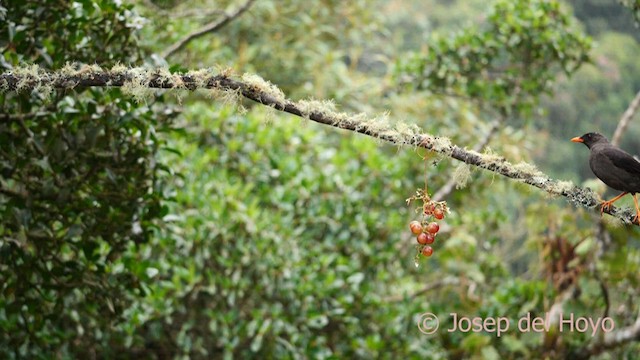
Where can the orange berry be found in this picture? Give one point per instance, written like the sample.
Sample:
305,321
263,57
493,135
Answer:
423,238
433,227
427,251
430,238
416,227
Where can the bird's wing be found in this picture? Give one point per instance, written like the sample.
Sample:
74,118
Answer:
622,159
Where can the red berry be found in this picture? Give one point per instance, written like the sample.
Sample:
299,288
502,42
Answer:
423,238
428,208
427,251
433,227
438,214
416,227
430,238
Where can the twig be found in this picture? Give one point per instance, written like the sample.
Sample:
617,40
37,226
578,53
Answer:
605,296
260,91
625,119
211,27
12,117
13,193
447,188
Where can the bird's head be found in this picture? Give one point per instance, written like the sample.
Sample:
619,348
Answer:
590,139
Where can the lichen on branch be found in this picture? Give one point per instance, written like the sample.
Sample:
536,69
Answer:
223,84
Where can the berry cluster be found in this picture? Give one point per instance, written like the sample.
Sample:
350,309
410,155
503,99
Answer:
427,229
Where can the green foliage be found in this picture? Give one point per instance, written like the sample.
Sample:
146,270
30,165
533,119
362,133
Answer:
507,63
269,255
79,183
53,32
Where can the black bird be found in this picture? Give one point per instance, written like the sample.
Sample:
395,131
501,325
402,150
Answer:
614,166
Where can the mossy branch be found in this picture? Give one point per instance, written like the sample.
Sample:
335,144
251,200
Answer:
138,81
448,187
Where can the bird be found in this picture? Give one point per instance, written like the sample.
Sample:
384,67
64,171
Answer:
614,166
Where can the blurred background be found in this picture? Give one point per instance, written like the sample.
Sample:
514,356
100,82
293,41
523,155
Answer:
183,226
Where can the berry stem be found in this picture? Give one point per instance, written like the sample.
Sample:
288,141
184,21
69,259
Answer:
426,169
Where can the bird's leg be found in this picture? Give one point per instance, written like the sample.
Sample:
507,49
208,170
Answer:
635,201
606,205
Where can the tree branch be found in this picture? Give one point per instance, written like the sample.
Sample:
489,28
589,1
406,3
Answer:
211,27
136,80
611,340
625,119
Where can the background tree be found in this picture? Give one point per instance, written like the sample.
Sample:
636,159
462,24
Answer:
79,181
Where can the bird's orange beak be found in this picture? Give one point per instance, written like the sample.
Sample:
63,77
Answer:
577,139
